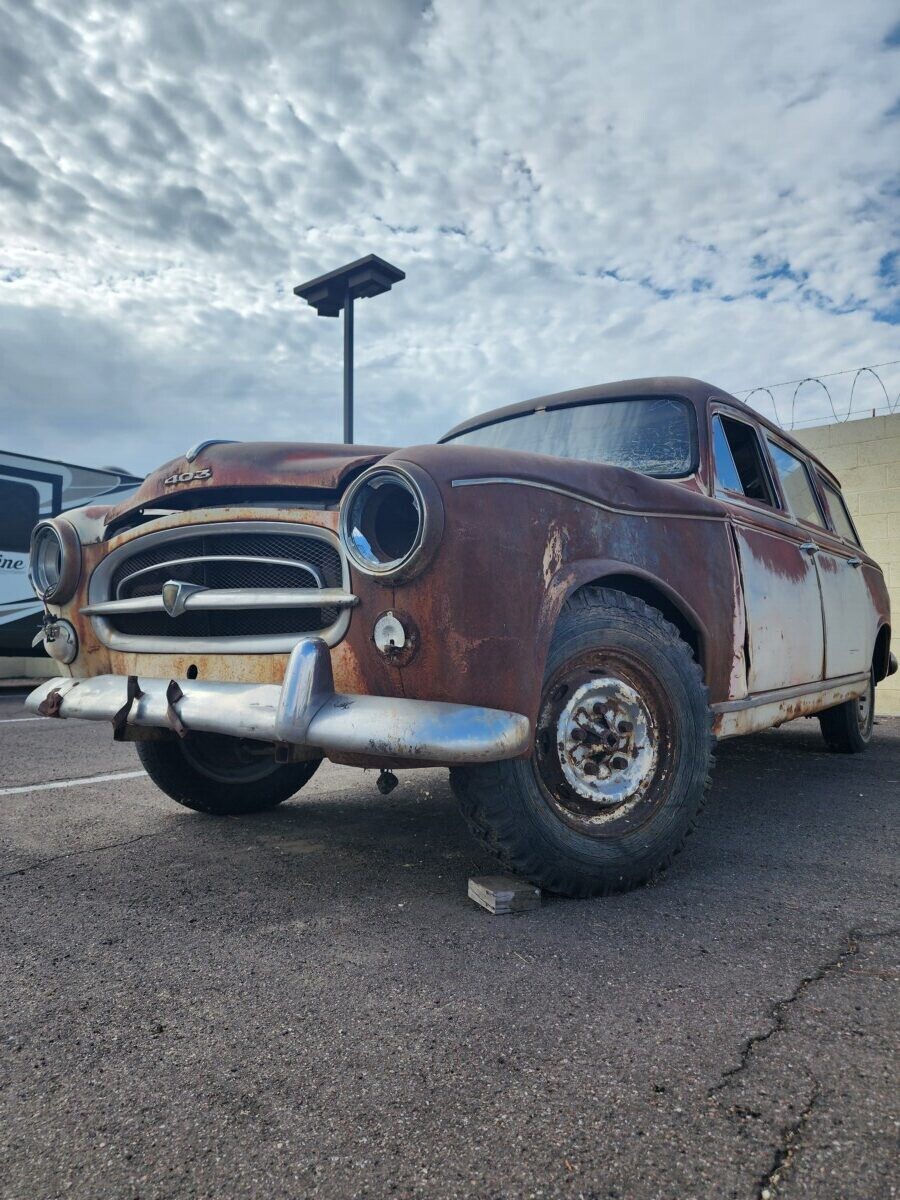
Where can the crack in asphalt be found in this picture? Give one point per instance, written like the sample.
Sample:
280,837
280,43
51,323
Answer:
44,862
790,1135
849,948
788,1146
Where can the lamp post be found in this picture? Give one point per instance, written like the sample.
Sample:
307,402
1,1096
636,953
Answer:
329,294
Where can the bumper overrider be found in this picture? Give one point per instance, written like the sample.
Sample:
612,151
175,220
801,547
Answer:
303,712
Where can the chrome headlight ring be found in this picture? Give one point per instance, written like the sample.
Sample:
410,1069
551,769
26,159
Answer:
55,560
392,521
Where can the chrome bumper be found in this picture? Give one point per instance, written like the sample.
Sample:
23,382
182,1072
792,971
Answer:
303,711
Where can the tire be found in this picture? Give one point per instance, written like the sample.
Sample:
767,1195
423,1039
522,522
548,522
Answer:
553,818
223,776
847,728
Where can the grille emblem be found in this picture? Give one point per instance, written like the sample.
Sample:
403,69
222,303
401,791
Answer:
175,595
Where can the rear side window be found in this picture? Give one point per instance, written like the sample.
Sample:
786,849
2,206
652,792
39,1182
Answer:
797,485
739,460
837,510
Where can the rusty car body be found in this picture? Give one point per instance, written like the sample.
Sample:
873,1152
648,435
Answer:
231,597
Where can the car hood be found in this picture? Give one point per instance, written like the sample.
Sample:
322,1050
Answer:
249,469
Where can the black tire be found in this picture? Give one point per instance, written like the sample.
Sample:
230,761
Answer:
527,813
847,728
223,776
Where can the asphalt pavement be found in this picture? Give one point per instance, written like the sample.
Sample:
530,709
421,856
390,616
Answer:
305,1003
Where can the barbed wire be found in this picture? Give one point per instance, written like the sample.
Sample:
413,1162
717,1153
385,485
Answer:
889,406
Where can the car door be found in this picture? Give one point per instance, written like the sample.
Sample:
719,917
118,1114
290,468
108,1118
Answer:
785,640
851,616
845,603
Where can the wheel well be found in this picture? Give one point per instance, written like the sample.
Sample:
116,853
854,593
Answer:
643,589
881,657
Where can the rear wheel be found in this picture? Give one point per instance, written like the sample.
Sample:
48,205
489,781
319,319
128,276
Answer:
621,761
224,776
847,728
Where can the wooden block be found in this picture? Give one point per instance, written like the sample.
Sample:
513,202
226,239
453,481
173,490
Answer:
504,894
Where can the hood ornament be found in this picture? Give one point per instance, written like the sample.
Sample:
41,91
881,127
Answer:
176,594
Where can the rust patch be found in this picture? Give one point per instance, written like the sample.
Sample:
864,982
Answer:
51,704
778,555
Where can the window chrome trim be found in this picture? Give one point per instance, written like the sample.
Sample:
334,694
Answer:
282,643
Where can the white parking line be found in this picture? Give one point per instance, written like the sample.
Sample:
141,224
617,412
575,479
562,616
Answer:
16,720
64,783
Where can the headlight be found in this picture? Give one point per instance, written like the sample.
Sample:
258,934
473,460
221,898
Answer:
55,560
392,519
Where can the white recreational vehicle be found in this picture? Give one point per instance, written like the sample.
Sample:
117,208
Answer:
31,489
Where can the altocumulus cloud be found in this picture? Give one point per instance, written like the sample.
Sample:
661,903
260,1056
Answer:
578,191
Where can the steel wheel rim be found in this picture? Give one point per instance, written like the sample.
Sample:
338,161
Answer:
626,691
606,741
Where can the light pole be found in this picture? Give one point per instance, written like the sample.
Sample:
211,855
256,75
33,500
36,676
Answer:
328,294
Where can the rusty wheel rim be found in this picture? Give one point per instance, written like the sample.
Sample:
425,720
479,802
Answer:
600,744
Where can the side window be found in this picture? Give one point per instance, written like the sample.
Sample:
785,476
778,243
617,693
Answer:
738,460
797,486
837,510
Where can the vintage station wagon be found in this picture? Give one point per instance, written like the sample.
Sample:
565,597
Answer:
566,601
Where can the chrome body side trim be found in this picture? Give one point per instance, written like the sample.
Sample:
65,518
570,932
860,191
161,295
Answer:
305,711
98,593
561,491
765,710
790,693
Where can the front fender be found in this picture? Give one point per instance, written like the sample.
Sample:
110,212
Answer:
511,555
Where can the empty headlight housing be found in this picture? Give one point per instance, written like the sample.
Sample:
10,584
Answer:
55,560
392,519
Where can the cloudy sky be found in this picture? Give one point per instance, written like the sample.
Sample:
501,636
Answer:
578,191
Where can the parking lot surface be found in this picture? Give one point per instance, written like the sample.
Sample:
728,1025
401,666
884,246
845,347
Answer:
305,1003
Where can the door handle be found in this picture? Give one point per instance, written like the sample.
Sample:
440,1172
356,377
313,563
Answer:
809,547
854,562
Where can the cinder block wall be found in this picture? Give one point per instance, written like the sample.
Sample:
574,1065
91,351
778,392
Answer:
865,456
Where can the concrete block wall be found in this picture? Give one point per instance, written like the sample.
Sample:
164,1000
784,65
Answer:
865,456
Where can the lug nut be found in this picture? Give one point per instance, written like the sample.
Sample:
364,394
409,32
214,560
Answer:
619,763
590,768
625,727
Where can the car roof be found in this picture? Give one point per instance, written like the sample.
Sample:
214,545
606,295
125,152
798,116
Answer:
696,391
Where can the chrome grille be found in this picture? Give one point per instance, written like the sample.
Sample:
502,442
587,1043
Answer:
258,585
293,548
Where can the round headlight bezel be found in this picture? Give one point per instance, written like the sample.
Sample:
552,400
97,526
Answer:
426,500
55,560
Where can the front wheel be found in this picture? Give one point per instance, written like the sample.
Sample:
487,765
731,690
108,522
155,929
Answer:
847,728
220,775
621,761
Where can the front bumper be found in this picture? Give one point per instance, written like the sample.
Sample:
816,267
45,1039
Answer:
304,711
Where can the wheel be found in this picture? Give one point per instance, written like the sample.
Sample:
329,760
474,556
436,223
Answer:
847,728
225,776
621,761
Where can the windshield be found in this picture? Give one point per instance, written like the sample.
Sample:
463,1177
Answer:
652,435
